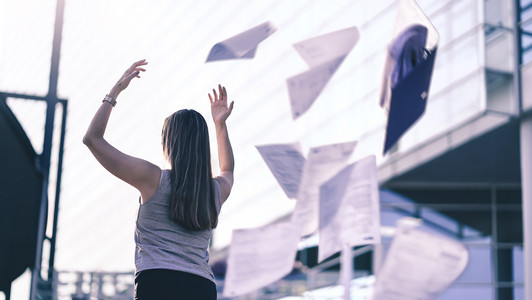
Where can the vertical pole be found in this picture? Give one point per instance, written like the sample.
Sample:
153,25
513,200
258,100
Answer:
346,268
526,185
494,244
36,278
526,150
377,259
51,101
56,51
57,192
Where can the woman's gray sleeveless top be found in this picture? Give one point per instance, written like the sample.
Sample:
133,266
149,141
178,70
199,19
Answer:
163,244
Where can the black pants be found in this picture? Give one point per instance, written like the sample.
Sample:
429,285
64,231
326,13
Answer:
161,284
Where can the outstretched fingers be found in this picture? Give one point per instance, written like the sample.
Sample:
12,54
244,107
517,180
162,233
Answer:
136,67
141,62
220,95
215,95
138,70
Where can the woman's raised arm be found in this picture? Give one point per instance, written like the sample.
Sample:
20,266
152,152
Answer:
220,112
139,173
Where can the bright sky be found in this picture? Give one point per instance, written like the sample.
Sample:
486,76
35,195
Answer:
101,38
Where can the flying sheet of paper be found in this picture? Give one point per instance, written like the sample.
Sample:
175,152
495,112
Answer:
286,163
322,163
260,256
407,70
243,45
349,208
419,265
324,54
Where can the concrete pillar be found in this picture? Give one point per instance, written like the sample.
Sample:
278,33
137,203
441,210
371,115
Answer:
346,269
526,183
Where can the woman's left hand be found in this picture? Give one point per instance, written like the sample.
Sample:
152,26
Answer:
126,78
219,109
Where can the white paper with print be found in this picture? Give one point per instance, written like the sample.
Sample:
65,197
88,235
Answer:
243,45
419,265
286,163
260,256
349,208
324,54
322,163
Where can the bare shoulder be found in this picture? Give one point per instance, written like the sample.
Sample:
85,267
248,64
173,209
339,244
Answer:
225,179
150,182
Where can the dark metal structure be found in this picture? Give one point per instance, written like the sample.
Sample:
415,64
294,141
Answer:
20,190
24,198
24,182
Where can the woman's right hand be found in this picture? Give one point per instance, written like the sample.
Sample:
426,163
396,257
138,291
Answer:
219,109
126,78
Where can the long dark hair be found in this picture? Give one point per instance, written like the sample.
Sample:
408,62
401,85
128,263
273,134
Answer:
185,139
